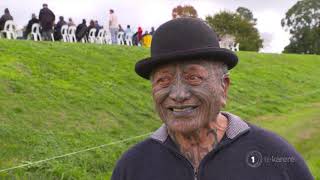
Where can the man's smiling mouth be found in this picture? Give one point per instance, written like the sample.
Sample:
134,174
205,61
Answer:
182,110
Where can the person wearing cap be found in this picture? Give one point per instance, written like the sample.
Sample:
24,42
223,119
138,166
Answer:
46,18
197,141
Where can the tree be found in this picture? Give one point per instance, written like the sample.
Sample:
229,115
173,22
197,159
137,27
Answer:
246,14
302,21
229,23
184,11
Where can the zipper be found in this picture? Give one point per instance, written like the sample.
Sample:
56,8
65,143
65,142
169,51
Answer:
195,171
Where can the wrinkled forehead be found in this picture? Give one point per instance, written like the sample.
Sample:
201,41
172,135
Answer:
183,66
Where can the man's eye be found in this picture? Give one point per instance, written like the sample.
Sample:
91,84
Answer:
163,81
194,79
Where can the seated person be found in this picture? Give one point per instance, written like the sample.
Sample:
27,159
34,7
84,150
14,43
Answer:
81,30
7,16
57,28
32,21
146,40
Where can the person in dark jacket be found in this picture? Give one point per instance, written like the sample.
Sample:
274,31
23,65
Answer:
97,26
189,76
135,41
5,17
32,21
46,18
81,30
152,31
91,26
57,28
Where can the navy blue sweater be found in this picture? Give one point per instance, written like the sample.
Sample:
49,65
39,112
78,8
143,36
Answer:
251,153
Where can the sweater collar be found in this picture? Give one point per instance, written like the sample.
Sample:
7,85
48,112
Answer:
236,126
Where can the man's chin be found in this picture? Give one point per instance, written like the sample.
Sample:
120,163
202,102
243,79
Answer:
182,127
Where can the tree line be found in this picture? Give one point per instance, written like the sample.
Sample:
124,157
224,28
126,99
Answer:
302,21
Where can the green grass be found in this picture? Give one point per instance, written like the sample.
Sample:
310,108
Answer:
301,128
58,98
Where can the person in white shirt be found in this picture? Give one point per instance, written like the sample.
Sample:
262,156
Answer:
113,26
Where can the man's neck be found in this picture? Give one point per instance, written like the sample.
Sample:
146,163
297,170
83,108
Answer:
194,146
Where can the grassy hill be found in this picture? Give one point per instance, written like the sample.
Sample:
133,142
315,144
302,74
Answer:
59,98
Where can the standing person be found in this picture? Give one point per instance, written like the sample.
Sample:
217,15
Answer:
32,21
5,17
81,30
188,72
57,29
113,26
46,18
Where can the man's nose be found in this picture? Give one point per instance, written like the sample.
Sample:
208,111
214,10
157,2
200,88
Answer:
179,92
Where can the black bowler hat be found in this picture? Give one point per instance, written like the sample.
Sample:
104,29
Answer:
183,39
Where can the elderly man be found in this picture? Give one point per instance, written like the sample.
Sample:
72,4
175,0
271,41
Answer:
189,75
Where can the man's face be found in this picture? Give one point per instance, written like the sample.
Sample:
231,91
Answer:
189,95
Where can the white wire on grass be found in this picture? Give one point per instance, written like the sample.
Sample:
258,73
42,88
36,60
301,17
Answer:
121,141
76,152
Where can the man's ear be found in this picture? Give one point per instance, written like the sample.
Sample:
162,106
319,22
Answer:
225,86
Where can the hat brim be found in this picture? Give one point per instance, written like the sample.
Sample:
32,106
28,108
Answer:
145,66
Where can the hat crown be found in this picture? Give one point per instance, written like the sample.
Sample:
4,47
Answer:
183,34
184,39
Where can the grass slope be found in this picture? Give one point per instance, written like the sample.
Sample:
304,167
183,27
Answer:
57,98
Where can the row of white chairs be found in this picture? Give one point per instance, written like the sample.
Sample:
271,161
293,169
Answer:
69,35
231,46
10,31
104,37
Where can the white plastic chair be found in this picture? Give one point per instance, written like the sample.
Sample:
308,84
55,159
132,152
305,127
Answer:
64,33
9,30
92,35
101,36
35,32
72,34
120,37
128,39
84,39
107,37
236,47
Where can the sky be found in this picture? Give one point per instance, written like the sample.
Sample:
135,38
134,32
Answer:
148,13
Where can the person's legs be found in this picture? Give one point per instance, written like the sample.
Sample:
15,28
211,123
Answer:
25,34
113,32
50,34
46,35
